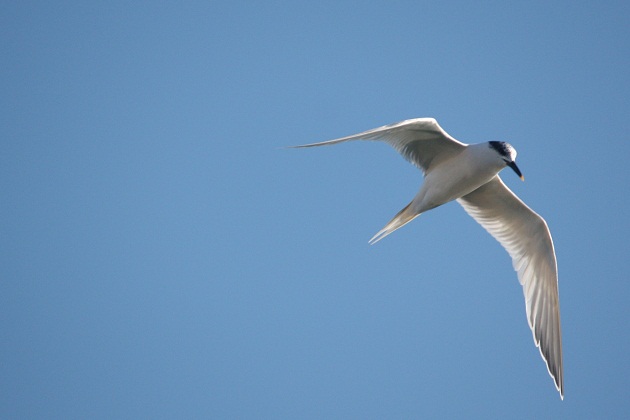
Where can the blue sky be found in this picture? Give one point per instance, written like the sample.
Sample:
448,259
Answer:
162,255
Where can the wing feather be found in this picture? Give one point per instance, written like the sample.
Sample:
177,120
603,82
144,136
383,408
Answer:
421,141
526,237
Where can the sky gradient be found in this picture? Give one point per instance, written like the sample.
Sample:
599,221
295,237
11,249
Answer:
162,255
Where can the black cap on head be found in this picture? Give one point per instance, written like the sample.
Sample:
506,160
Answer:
508,154
502,148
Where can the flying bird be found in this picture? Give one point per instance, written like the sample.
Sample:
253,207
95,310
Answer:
469,173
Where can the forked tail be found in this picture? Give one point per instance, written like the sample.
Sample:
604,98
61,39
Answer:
403,217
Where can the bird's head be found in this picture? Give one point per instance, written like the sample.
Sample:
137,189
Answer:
507,153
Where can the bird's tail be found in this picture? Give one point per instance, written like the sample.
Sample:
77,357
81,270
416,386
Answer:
403,217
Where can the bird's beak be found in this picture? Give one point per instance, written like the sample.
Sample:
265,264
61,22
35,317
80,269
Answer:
515,168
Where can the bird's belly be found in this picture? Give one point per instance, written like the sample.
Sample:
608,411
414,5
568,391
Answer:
449,183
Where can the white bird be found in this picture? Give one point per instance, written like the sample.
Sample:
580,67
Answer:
468,173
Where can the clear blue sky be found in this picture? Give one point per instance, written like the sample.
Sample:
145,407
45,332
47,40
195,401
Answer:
162,256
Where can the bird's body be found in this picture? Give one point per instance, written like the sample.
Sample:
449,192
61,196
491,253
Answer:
463,173
469,174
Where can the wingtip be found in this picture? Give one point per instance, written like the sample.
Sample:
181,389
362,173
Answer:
557,373
380,235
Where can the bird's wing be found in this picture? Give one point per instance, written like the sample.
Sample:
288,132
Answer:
525,236
421,141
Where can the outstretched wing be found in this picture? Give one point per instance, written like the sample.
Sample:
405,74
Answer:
525,236
421,141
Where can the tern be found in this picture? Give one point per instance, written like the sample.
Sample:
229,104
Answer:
469,174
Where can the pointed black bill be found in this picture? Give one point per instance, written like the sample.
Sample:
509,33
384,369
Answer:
515,168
